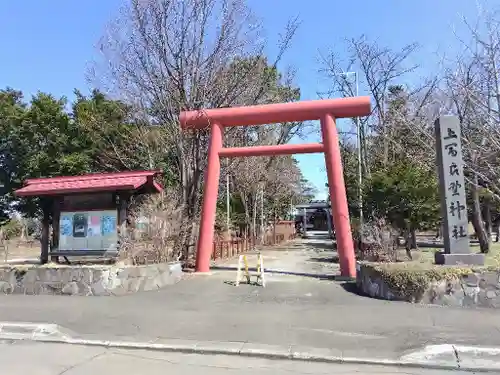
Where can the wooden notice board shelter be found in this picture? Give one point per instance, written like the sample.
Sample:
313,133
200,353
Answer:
86,212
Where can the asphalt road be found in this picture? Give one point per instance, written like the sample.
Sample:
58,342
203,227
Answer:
292,311
289,311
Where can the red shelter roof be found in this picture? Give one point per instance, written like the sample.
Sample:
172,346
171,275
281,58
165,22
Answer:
90,183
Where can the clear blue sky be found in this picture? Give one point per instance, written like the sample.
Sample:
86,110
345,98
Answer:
46,45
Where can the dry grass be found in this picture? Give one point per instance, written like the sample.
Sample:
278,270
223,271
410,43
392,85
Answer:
425,256
158,233
17,248
423,260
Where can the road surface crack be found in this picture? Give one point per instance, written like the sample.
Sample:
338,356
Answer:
455,351
82,362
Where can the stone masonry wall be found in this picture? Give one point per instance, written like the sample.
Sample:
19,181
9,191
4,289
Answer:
479,288
87,280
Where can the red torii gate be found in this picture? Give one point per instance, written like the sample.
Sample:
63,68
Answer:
324,110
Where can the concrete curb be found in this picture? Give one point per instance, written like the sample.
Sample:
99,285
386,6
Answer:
440,357
475,358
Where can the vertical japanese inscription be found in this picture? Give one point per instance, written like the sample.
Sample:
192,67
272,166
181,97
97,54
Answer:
452,185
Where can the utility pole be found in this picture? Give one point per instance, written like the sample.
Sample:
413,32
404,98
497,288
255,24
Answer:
358,144
262,230
360,162
228,198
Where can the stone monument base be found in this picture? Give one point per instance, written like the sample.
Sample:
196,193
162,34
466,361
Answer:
473,259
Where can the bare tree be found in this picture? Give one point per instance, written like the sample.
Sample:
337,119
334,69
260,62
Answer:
164,56
473,87
400,125
471,90
274,177
378,68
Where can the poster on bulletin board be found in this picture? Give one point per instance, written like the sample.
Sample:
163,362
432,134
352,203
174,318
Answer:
88,230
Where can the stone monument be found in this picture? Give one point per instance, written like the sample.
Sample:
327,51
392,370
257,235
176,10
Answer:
452,193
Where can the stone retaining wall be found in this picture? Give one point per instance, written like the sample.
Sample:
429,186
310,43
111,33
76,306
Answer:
87,280
479,288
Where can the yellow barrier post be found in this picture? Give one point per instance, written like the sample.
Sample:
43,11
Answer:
243,264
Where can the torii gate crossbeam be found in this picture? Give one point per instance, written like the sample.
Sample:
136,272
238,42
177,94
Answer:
324,110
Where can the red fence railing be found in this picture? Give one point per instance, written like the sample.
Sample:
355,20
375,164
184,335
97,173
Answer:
230,248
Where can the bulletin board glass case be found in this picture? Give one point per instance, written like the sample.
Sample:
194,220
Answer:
88,230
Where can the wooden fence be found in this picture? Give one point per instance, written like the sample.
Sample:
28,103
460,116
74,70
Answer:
231,248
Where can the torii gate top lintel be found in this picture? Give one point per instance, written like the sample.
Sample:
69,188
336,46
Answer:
275,113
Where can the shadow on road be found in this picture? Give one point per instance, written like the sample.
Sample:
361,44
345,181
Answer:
351,287
323,245
327,259
271,271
